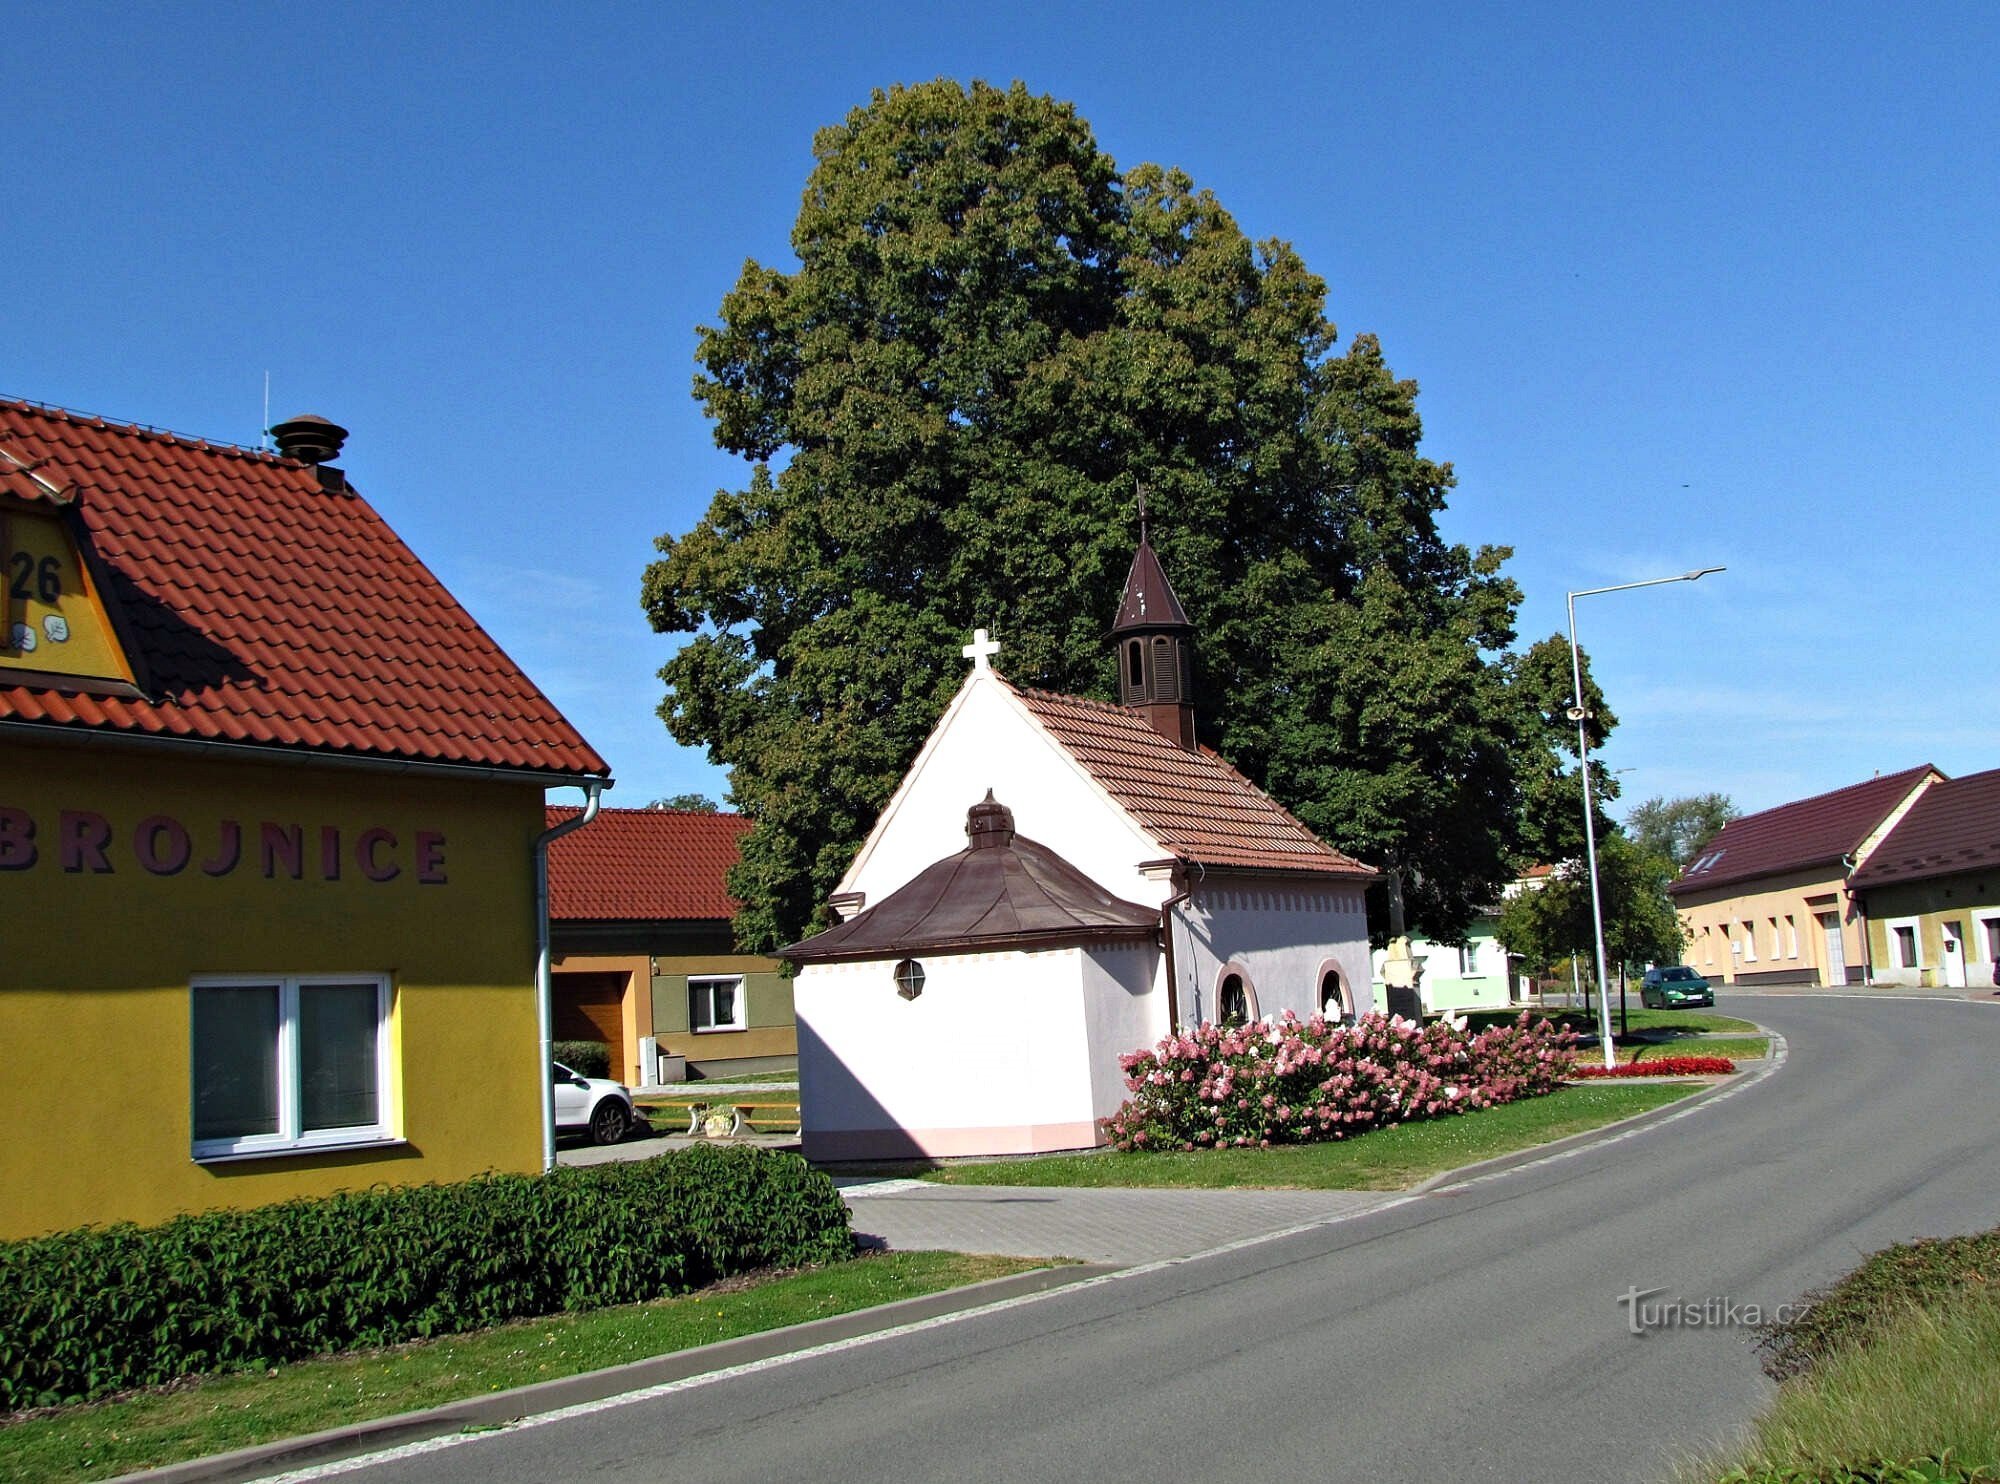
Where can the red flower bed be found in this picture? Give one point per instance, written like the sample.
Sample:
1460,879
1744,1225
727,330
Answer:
1665,1066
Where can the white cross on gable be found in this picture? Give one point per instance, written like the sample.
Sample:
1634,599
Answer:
980,650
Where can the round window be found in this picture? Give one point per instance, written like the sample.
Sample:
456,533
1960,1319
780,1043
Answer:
909,979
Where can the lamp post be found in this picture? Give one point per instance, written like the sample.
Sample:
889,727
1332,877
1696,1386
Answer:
1580,714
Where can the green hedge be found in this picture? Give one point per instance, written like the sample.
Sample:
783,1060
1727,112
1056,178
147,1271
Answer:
88,1312
585,1058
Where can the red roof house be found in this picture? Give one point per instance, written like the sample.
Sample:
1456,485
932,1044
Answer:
1767,901
269,799
1931,889
646,961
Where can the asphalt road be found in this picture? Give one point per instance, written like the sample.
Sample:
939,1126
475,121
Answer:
1475,1333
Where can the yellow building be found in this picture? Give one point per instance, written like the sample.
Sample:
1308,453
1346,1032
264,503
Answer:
269,801
1766,900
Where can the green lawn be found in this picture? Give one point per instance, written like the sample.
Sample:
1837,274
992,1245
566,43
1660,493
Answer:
1736,1048
216,1414
1637,1018
1386,1159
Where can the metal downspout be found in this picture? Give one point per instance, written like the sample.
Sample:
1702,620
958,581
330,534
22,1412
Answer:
593,789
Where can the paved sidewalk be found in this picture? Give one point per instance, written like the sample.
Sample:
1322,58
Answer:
1108,1226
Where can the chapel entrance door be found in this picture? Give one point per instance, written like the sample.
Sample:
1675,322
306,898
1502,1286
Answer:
1836,950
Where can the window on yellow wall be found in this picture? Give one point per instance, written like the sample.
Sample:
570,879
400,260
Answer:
1749,942
288,1064
1791,936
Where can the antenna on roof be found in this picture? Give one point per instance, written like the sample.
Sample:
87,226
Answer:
264,437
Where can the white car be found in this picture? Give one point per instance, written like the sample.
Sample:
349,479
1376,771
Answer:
596,1106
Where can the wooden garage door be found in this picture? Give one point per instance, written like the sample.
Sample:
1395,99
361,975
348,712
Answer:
591,1007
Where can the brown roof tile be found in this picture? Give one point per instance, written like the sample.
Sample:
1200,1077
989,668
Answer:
644,865
261,608
1953,826
1193,803
1811,832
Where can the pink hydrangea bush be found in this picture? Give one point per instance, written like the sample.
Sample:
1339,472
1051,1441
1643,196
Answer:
1293,1081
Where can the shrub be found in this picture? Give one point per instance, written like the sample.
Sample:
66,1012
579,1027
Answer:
101,1309
1663,1066
1928,1273
1293,1081
585,1058
1939,1469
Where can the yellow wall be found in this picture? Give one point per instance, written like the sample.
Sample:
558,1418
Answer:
95,1113
1716,919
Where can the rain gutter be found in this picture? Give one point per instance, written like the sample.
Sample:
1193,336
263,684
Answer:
593,790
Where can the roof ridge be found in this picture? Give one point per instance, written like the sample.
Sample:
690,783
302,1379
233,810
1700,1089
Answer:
58,413
1844,788
642,809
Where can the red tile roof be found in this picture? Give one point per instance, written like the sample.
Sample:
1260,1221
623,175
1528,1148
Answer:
1953,826
644,865
1812,832
1193,803
262,609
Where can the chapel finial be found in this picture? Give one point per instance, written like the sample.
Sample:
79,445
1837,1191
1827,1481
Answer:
980,650
1142,514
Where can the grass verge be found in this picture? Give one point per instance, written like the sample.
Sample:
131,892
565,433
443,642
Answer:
1736,1048
1385,1159
1636,1019
220,1413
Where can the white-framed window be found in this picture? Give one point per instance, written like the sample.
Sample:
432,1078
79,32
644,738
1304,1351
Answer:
1777,944
715,1003
1905,945
284,1063
1791,936
1468,961
1749,942
1990,927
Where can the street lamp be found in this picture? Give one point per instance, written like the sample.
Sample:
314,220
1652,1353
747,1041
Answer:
1580,714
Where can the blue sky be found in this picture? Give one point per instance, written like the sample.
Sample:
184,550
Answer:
1682,285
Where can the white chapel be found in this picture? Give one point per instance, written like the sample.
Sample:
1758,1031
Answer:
1058,881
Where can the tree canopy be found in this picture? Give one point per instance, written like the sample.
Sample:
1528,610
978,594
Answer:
1677,828
1552,921
991,336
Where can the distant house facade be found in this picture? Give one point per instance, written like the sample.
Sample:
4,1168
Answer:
1930,891
269,807
1766,900
644,957
1473,975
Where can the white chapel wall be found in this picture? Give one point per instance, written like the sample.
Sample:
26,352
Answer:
1280,933
1123,1011
990,742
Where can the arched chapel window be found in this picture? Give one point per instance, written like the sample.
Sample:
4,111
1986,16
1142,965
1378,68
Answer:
1135,664
1166,674
1232,1000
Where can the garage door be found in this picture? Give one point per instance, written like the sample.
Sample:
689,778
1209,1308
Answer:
591,1007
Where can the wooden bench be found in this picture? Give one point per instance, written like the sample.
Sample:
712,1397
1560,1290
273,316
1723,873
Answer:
698,1114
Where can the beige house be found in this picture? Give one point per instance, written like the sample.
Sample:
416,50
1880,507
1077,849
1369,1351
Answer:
1766,901
1930,892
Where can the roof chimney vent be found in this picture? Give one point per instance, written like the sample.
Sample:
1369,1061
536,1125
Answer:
309,438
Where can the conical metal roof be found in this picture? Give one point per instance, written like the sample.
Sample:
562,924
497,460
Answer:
1149,598
1001,891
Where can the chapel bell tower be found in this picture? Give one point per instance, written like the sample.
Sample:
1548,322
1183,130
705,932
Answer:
1155,648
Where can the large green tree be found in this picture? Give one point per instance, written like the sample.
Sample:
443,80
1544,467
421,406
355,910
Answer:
991,336
1548,923
1677,828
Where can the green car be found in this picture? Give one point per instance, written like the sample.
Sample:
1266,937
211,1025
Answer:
1674,986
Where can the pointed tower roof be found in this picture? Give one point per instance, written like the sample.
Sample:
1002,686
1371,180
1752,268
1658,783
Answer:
1149,598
